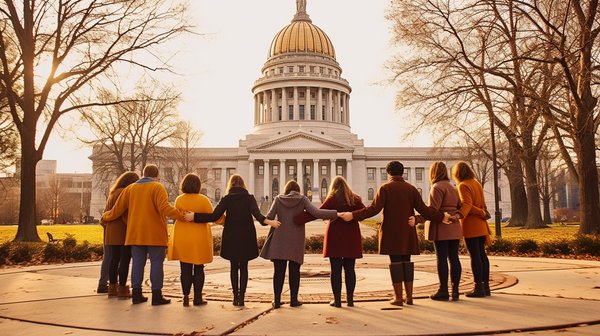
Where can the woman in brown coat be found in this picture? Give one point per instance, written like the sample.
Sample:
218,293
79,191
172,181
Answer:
443,196
397,238
114,239
473,215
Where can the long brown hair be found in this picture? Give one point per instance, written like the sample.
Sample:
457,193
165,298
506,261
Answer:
235,180
124,180
341,191
291,186
461,171
438,172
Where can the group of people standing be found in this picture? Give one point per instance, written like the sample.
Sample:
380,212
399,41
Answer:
137,208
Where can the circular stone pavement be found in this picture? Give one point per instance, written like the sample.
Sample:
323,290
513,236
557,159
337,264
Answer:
373,283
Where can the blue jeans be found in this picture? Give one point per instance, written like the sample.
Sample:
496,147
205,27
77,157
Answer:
139,253
106,256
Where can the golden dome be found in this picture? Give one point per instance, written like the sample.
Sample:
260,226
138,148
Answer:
301,36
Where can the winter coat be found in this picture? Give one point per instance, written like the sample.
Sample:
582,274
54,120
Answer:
191,243
342,239
287,242
398,199
473,210
239,234
443,196
115,230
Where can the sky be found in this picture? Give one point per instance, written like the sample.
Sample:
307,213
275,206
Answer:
219,66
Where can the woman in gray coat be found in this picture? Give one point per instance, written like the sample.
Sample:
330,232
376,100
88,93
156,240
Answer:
287,242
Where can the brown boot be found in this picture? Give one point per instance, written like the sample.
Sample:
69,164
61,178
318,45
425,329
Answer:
112,290
397,273
409,277
123,292
477,291
186,300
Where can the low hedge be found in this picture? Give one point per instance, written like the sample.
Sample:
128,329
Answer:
66,250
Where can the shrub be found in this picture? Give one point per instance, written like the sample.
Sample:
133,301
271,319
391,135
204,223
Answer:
4,252
371,244
52,252
70,241
424,244
314,244
586,244
555,247
217,245
501,245
82,251
97,249
23,252
261,242
526,246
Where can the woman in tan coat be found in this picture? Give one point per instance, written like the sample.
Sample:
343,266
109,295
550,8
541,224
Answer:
473,215
114,239
443,196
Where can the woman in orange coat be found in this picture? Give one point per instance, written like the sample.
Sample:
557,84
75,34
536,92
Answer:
473,215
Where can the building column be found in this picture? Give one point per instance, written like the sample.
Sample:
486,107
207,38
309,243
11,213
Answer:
349,172
316,183
224,181
307,104
282,174
378,176
265,107
267,178
251,176
347,109
319,107
284,105
333,172
274,106
329,105
256,108
296,108
300,175
338,107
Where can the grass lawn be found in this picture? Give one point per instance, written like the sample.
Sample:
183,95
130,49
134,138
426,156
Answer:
555,232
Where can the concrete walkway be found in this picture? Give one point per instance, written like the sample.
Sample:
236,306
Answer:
532,296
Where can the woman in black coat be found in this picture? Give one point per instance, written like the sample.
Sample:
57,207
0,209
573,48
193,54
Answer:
239,234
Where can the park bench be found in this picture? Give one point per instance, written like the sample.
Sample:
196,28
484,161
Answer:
51,239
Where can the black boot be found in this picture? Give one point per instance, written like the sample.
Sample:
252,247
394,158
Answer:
137,297
350,299
236,298
337,300
441,295
198,301
477,291
241,299
102,289
455,292
486,288
158,298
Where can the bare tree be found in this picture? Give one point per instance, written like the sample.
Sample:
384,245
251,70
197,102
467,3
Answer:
551,173
81,45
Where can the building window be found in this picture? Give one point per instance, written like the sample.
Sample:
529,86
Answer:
329,71
301,94
321,69
280,116
204,192
274,189
419,174
370,194
291,94
406,173
291,112
280,70
290,69
230,171
301,112
203,174
312,69
323,189
340,170
275,170
261,170
291,170
301,68
323,112
312,112
324,170
370,174
342,116
383,174
217,194
280,95
312,95
217,174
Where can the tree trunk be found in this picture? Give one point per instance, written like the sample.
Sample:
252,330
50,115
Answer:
588,182
534,214
547,215
27,231
518,196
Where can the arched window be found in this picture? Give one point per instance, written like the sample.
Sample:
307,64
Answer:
370,194
323,190
274,189
217,194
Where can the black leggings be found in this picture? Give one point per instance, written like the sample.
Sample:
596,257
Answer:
279,278
191,273
447,250
400,258
480,265
240,267
336,275
119,263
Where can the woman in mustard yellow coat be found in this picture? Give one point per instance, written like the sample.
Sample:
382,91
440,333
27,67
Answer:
191,243
473,217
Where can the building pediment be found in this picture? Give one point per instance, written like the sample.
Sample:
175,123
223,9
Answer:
300,142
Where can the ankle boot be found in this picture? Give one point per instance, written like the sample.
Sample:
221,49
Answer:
350,299
337,300
137,297
455,292
112,290
397,274
486,288
409,277
186,300
236,298
123,292
477,291
158,298
241,298
102,289
198,301
440,295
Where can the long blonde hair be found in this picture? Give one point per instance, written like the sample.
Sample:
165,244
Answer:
341,191
235,180
461,171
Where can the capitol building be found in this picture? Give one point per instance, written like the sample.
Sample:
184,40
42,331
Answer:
302,112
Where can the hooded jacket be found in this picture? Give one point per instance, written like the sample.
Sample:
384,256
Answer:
239,234
287,242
